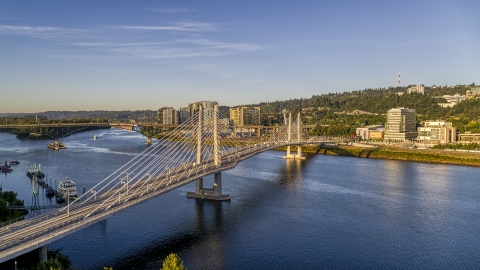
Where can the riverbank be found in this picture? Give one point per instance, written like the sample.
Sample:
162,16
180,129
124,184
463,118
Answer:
419,155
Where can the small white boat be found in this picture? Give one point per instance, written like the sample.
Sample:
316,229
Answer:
68,189
95,137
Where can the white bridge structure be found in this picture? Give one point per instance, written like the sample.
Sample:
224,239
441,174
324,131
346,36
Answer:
202,146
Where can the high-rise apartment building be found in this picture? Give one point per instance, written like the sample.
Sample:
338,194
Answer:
207,106
169,116
401,125
183,115
244,116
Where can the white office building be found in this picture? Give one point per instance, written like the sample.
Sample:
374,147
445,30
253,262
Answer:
401,125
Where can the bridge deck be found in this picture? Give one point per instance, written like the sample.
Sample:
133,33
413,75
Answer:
24,236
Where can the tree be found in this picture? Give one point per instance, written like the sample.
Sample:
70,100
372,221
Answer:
51,264
57,261
173,262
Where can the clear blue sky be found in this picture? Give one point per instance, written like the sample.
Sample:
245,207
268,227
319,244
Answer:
134,55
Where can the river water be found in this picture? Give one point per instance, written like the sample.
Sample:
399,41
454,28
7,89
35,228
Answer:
324,212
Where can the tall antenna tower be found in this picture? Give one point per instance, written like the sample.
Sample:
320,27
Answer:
399,84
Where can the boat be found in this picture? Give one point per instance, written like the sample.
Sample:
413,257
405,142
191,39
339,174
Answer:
68,189
5,167
95,137
5,170
35,171
14,162
56,145
50,192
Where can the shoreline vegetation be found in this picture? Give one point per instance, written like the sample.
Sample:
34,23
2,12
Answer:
418,155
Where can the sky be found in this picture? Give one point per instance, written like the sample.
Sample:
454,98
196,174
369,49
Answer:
139,55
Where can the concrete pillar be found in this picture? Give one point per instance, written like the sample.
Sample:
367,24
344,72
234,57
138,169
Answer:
42,253
289,127
217,184
298,128
199,135
299,133
214,193
216,142
198,185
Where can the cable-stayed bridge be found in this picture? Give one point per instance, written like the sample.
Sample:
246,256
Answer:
201,146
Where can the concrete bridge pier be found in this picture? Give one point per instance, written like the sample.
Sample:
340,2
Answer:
42,253
214,193
294,156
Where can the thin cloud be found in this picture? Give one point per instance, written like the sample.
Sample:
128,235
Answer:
169,10
129,46
46,32
183,48
210,44
110,44
19,29
182,27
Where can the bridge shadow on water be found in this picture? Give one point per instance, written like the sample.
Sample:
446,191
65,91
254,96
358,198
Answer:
152,254
202,245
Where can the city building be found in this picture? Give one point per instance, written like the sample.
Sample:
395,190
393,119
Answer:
437,132
474,92
183,114
401,125
160,114
169,116
416,89
245,116
377,134
193,108
452,100
207,106
370,132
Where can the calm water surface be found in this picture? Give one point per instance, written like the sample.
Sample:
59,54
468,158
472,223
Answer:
322,213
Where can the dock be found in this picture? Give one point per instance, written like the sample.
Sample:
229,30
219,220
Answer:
44,184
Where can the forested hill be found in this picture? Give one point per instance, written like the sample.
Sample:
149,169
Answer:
372,101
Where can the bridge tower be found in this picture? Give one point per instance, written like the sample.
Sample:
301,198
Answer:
299,138
35,208
214,193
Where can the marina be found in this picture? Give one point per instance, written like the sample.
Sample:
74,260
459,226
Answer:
66,188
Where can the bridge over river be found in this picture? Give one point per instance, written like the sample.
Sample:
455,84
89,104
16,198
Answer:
190,152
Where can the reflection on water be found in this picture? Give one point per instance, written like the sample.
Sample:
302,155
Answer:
323,213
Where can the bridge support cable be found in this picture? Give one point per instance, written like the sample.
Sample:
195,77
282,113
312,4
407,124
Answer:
203,142
167,164
216,192
168,158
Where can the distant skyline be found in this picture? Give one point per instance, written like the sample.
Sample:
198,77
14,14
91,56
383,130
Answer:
137,55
